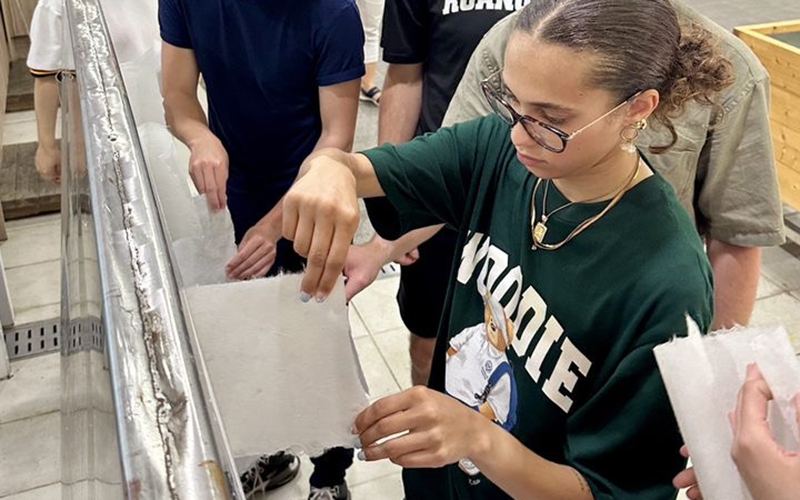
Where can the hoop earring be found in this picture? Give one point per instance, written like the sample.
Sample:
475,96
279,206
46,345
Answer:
629,135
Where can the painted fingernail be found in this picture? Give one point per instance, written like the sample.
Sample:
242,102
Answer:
304,297
357,443
362,456
320,299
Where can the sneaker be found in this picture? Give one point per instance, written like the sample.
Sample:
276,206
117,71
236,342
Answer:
339,492
372,95
269,472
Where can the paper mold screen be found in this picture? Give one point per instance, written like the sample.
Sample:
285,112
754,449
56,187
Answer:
285,374
703,375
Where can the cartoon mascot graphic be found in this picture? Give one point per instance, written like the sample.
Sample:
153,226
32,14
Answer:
478,372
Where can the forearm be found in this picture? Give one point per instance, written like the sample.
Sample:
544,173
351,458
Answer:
356,165
46,102
401,103
737,271
523,474
411,240
185,118
331,139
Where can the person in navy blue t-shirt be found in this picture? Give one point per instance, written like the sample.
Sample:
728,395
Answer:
282,80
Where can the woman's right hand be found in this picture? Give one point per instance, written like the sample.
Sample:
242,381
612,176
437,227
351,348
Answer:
320,215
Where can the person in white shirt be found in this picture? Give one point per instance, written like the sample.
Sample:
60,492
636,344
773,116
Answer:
133,25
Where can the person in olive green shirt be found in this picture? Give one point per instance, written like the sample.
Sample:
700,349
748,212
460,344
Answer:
564,226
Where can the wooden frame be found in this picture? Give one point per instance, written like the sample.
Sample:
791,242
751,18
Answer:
782,61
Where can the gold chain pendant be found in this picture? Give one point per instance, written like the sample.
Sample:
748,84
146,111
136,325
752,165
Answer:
539,231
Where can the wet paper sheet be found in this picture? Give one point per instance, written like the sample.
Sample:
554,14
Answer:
703,376
285,374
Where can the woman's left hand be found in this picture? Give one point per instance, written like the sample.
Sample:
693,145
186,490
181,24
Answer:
439,430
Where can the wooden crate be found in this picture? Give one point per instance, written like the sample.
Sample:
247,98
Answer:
781,57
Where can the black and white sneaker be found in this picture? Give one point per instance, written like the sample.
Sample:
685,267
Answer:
339,492
269,472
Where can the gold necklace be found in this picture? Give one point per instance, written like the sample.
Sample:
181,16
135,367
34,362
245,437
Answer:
539,229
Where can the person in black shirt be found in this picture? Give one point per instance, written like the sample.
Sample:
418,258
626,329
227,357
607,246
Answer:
427,44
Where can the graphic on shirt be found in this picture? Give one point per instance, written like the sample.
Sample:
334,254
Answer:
455,6
478,372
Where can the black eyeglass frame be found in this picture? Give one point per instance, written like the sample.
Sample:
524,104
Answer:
492,95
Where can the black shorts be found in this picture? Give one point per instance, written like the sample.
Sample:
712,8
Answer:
424,284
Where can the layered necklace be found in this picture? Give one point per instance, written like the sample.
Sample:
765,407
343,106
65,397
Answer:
539,228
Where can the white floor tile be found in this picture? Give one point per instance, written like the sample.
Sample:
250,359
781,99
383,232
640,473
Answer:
357,328
379,378
22,130
32,244
782,310
35,285
781,267
20,117
30,455
35,314
385,488
17,224
19,133
768,288
49,492
394,347
378,306
365,472
33,389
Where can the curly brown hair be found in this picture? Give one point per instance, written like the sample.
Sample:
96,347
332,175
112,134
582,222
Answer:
641,46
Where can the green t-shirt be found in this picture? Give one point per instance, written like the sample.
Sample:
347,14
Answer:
579,383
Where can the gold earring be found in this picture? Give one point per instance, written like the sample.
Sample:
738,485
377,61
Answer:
629,135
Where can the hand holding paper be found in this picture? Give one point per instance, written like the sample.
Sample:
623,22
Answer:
768,469
703,377
437,430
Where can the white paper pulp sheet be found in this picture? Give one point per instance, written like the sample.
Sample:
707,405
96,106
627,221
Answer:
285,373
202,240
703,375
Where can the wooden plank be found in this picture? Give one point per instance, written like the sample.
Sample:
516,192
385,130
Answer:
771,28
785,108
785,135
787,155
781,60
790,186
770,46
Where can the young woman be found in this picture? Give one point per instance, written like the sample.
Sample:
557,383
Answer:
564,224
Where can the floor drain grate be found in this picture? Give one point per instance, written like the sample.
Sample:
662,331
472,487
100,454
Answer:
23,341
32,339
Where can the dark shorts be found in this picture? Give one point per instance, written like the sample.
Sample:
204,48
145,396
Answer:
424,284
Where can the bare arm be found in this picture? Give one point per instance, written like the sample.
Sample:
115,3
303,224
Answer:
208,165
523,474
736,274
338,106
45,95
46,102
180,76
401,103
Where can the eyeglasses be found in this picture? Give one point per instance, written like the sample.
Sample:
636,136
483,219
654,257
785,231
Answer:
547,136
